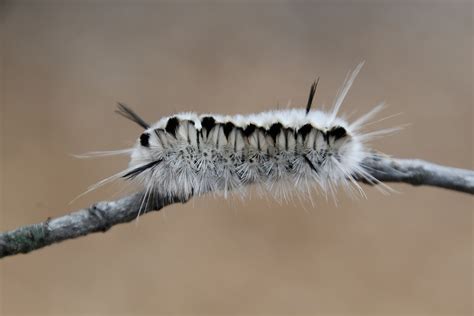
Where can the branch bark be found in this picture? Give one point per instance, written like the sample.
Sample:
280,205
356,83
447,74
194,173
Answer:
419,172
101,216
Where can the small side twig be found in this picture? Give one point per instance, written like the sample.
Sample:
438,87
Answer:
101,216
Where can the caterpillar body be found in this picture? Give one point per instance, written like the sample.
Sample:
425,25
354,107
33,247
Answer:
280,151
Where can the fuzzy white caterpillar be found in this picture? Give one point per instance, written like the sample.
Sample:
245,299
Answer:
279,151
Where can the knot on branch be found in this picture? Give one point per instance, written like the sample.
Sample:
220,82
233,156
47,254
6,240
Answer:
100,215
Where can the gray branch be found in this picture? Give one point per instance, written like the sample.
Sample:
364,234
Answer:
101,216
419,172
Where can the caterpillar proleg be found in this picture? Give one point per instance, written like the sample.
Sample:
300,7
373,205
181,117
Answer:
280,151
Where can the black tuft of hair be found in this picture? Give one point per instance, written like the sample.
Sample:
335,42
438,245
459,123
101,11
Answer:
135,172
312,92
128,113
311,165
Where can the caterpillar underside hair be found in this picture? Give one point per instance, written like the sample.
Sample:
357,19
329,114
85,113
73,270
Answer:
280,151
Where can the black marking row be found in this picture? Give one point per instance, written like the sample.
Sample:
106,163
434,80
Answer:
208,123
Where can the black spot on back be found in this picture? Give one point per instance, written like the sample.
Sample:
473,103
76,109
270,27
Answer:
249,130
144,140
338,132
171,125
208,123
274,130
304,130
228,128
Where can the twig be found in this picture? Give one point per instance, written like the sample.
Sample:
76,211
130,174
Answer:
101,216
98,217
419,172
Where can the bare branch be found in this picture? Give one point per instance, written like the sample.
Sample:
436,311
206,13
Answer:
420,172
101,216
98,217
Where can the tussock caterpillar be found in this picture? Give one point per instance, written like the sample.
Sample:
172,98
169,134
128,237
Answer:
280,151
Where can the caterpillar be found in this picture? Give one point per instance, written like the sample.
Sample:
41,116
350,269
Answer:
279,151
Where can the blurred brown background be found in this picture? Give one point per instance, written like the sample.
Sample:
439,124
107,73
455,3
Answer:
64,65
